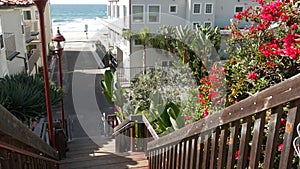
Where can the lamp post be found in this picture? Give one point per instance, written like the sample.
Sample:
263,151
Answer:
59,40
40,4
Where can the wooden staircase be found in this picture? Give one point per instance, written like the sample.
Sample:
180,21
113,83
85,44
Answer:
99,152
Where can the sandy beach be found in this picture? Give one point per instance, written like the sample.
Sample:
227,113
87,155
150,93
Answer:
80,39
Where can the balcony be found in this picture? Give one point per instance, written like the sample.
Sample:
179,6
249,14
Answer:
34,27
10,45
33,57
27,33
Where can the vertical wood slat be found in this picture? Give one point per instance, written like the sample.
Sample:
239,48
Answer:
244,143
232,144
199,152
160,158
184,154
176,154
191,158
153,159
157,158
289,135
271,144
222,148
179,150
173,156
132,138
195,149
214,146
206,149
164,154
169,155
258,133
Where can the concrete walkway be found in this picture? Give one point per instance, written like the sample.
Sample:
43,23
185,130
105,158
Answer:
84,108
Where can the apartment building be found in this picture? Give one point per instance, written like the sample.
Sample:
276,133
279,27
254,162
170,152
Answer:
20,36
134,15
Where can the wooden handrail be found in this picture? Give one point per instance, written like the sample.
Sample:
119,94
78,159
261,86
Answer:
143,119
133,134
120,126
279,94
26,153
21,136
241,135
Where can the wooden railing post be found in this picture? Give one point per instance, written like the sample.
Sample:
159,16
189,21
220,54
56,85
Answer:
132,137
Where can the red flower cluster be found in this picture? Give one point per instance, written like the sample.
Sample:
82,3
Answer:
289,46
211,88
252,76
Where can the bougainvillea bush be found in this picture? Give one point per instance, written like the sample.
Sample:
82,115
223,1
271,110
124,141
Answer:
264,53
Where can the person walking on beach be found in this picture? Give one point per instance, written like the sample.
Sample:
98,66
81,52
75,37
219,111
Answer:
86,30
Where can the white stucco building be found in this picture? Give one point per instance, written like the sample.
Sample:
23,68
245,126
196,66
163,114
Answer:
153,14
21,42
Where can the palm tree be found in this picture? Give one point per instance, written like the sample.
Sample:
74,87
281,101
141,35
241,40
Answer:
24,95
144,36
193,47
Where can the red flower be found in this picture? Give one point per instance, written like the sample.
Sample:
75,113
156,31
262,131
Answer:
280,147
252,76
282,122
205,113
237,154
294,26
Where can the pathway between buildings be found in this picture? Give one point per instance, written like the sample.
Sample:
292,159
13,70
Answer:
84,108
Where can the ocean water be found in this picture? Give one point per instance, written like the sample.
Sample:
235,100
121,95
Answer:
73,18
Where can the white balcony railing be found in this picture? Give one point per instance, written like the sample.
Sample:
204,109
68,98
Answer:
34,57
10,44
27,32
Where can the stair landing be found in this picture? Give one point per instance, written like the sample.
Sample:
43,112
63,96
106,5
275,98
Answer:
99,153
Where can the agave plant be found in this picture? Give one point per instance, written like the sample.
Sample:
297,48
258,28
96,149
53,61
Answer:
164,117
24,95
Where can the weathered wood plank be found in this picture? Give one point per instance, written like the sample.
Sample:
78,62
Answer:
271,97
258,133
206,151
271,144
12,127
289,135
214,146
244,143
222,148
199,152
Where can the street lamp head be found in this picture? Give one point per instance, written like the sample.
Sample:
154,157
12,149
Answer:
40,4
58,40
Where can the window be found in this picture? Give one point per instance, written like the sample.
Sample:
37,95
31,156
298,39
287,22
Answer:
36,13
207,24
208,8
239,9
138,13
118,11
197,8
27,15
154,12
1,41
124,10
173,9
195,25
113,11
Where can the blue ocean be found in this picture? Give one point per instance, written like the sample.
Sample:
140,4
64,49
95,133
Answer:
69,17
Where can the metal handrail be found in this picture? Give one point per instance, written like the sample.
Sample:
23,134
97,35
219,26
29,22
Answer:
119,130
